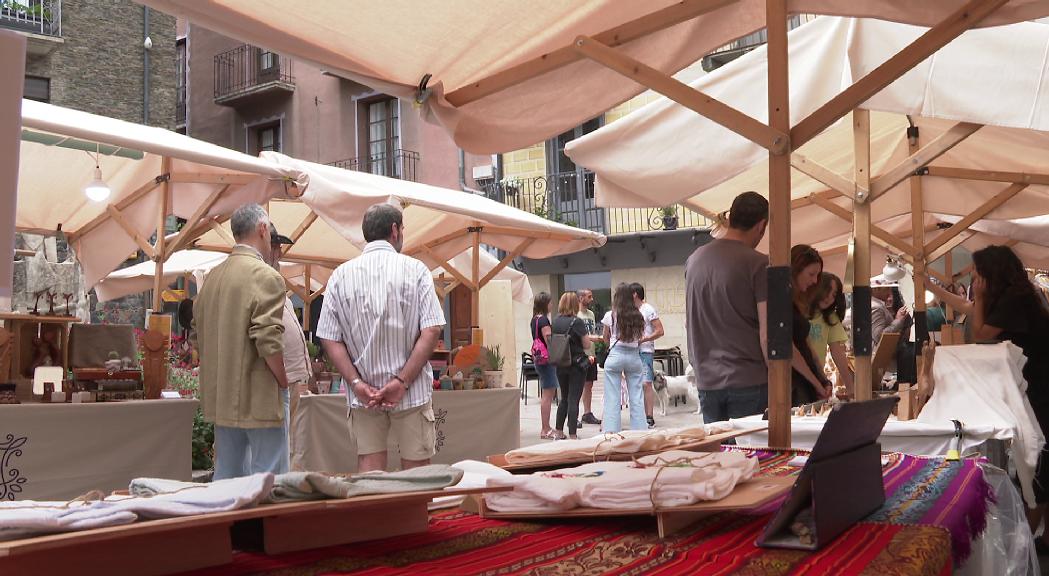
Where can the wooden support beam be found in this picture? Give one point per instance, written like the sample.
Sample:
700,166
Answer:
184,235
640,27
159,252
506,260
989,175
861,226
309,297
122,220
950,245
120,205
424,248
303,226
773,140
450,269
779,215
502,231
938,275
209,178
840,184
983,210
222,233
918,240
291,286
475,272
892,241
808,200
899,64
921,157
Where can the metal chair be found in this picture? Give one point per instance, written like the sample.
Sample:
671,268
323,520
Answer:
528,372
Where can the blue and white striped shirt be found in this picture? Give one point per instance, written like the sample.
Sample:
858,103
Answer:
377,304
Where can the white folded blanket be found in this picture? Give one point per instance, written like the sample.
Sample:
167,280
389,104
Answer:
680,478
27,518
625,442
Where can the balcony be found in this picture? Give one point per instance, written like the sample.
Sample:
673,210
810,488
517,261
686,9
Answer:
401,164
248,73
40,20
180,105
568,198
737,48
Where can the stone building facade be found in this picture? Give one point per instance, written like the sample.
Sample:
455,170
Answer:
90,55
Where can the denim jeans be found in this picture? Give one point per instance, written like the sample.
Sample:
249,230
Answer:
623,362
547,376
720,405
246,451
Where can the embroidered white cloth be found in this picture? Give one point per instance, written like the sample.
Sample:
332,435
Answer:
680,478
625,442
475,475
984,384
28,518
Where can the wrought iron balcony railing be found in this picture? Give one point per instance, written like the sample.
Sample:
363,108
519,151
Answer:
401,164
249,69
568,198
35,16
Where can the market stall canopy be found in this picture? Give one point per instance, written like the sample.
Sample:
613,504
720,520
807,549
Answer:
503,74
142,165
665,153
439,223
197,263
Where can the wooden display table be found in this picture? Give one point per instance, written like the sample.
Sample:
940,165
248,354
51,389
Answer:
24,328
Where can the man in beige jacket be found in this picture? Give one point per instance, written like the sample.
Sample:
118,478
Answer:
238,321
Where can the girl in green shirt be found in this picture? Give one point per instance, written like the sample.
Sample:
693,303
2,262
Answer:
825,328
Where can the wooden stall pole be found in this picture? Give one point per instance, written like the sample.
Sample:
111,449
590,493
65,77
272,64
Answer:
159,252
948,272
779,304
861,227
307,302
475,273
921,329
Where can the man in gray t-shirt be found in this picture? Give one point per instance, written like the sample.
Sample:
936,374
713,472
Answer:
725,295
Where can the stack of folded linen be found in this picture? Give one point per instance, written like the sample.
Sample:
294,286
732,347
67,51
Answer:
674,478
626,442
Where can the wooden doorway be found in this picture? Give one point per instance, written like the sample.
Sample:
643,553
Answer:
460,316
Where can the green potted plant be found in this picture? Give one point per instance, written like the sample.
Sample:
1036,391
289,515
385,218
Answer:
600,352
493,361
669,214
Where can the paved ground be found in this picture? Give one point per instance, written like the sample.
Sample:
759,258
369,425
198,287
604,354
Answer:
679,415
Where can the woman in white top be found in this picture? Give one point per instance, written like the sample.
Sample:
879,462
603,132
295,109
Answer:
623,328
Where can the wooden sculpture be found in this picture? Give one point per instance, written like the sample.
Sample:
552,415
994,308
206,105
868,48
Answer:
36,301
154,365
68,297
51,303
6,344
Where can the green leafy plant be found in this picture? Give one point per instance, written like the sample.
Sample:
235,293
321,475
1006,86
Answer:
187,382
493,358
668,211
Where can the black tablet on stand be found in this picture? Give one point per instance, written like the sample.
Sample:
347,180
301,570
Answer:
841,482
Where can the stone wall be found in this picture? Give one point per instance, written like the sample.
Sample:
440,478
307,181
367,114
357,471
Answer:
98,67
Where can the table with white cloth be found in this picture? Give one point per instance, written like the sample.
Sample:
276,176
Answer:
471,424
908,437
61,451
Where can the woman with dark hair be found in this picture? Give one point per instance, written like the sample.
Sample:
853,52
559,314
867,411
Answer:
541,330
826,332
1007,306
623,328
808,383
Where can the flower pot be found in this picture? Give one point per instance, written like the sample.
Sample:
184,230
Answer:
493,378
670,222
468,384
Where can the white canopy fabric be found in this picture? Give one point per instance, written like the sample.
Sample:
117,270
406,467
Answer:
56,164
393,45
665,153
435,219
139,278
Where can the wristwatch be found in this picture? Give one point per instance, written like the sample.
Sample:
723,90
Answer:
401,380
355,381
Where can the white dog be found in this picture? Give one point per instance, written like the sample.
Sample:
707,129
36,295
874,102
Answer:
676,388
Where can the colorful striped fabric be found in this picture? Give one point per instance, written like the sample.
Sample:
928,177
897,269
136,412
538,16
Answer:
933,510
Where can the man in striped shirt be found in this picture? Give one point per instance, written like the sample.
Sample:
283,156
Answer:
379,325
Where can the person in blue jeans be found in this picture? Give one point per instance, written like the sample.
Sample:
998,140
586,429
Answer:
540,328
624,327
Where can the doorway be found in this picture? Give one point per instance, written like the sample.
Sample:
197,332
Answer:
460,316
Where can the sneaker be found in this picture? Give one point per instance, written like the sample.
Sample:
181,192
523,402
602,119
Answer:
589,418
579,424
651,422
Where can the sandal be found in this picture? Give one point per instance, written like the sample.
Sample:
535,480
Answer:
557,435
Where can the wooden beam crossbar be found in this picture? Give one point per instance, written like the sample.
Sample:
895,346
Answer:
119,217
899,64
773,140
119,205
184,235
659,20
209,178
949,245
989,175
506,261
890,241
844,186
983,210
450,269
303,226
920,158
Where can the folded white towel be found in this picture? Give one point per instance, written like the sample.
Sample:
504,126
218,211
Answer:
28,517
172,498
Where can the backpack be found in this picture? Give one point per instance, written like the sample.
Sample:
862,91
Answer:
540,354
560,350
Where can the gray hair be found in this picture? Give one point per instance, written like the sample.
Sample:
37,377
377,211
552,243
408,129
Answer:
245,219
378,220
